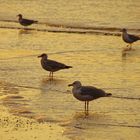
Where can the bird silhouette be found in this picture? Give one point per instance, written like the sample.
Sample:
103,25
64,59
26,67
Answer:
51,65
129,38
25,22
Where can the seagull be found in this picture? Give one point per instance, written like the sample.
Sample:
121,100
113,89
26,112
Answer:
51,65
87,93
25,22
129,38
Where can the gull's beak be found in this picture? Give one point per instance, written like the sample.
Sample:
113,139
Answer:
39,56
70,85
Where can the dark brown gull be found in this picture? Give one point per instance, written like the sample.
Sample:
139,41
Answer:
25,22
129,38
51,65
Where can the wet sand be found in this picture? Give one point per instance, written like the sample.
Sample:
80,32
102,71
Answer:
21,128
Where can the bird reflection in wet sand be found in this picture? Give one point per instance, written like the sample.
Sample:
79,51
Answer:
25,22
22,32
45,82
51,65
129,38
87,93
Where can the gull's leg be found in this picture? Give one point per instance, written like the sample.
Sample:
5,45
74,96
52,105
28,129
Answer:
87,106
50,74
130,46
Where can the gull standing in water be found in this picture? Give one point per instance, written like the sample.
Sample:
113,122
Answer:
25,22
129,38
51,65
87,93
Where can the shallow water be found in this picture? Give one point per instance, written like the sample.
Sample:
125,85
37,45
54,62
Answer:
89,13
97,60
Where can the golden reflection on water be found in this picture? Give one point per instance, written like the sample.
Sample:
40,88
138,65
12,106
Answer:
96,60
24,31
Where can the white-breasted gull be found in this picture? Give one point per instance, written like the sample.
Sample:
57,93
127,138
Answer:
87,93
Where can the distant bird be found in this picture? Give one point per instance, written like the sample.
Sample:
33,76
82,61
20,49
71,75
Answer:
25,22
87,93
129,38
51,65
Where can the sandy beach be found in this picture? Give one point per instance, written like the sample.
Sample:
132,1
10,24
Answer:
21,128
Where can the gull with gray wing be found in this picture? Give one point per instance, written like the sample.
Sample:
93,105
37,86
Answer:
87,93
